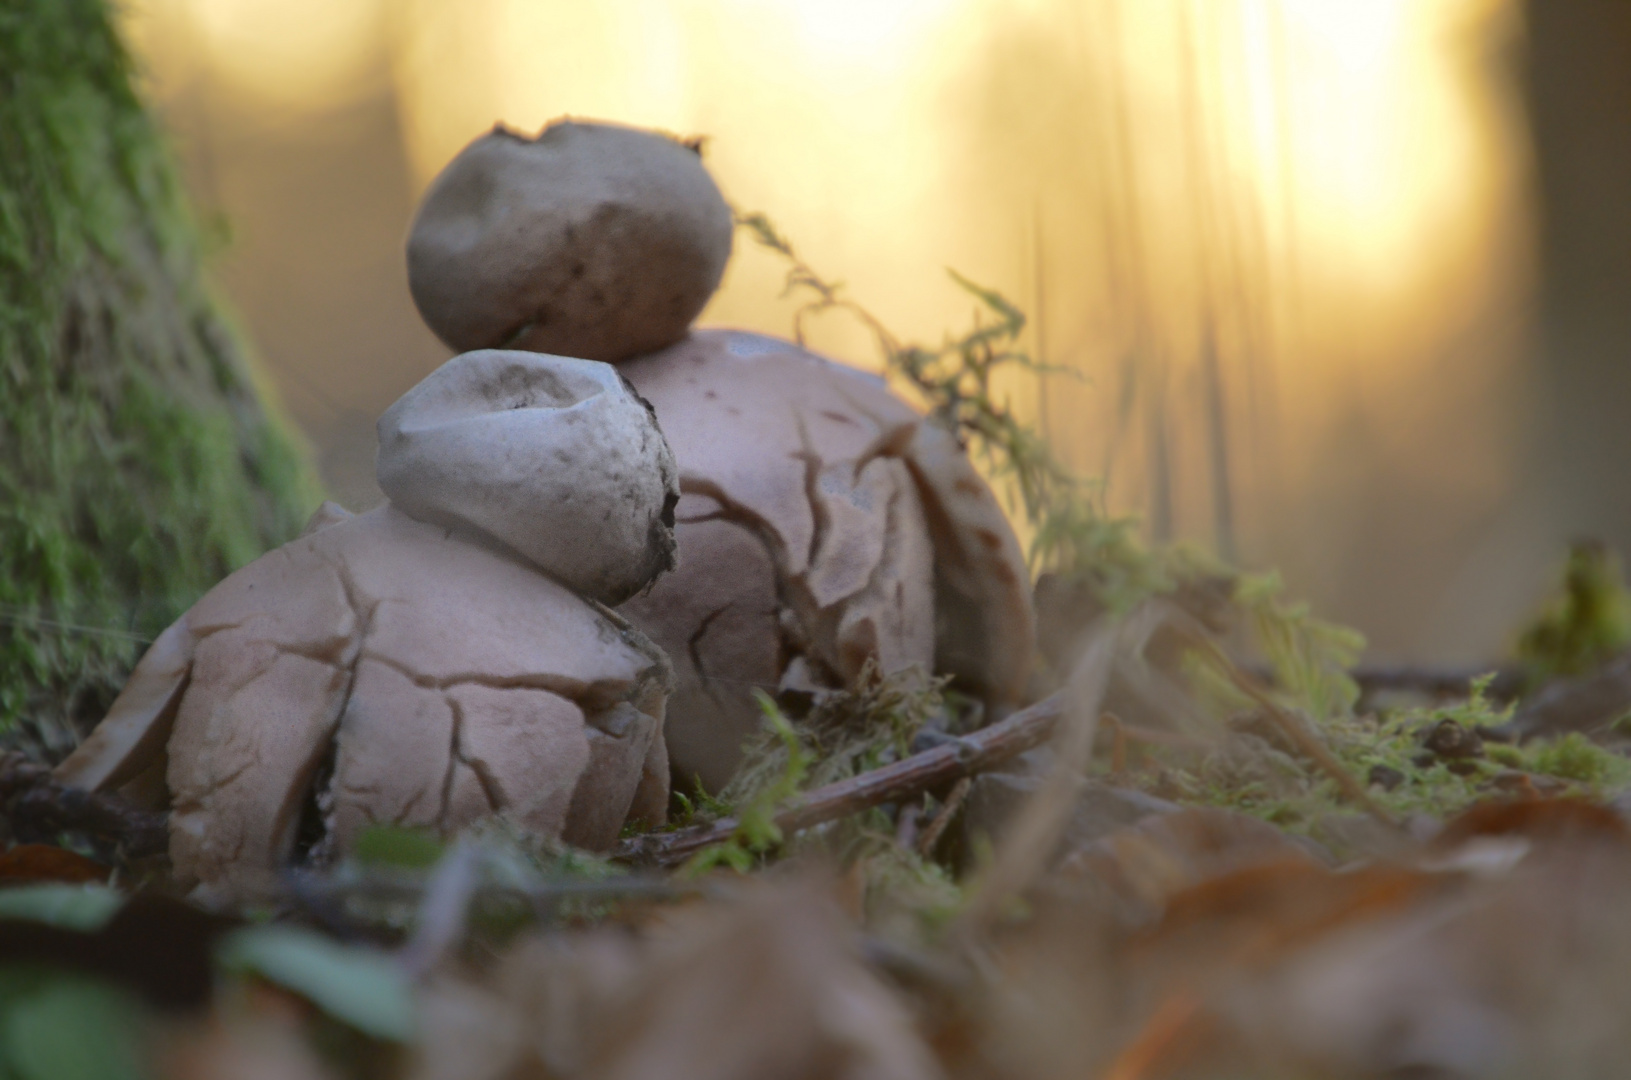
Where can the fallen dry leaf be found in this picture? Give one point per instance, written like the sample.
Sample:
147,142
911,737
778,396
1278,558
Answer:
47,862
769,986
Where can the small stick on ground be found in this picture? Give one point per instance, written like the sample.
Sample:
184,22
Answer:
937,826
38,807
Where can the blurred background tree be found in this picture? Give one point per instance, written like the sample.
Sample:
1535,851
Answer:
139,461
1578,91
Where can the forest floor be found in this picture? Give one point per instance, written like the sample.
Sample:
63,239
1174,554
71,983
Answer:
1211,844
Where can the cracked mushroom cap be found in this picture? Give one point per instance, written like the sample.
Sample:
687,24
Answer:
591,240
822,524
382,670
558,459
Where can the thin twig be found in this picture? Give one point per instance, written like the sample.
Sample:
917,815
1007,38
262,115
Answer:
980,752
937,825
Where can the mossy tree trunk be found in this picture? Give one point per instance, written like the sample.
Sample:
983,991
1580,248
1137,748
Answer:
138,464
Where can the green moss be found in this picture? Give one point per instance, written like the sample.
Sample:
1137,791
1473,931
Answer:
1575,757
137,463
1586,623
842,733
756,828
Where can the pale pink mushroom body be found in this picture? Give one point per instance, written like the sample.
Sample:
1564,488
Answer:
822,523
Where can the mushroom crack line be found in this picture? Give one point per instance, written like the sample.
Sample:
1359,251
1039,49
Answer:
887,558
362,609
693,644
455,728
573,690
792,589
737,514
820,517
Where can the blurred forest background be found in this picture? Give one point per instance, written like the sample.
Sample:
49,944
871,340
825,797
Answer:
1349,281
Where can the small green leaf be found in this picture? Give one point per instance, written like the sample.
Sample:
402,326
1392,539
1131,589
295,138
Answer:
393,845
86,908
359,986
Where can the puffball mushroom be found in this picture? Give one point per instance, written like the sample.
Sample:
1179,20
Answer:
822,524
561,462
590,240
427,663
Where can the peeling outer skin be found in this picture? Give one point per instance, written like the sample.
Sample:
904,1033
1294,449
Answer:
131,738
557,459
449,680
810,530
985,625
591,240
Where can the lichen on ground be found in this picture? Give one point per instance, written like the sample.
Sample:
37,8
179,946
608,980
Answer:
141,463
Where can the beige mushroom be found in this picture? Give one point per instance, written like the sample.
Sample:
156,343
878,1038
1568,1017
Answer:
382,669
822,523
590,240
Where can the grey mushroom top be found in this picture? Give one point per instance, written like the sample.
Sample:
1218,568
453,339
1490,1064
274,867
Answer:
557,459
591,240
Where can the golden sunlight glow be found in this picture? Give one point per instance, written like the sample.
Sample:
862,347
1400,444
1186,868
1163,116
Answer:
301,54
842,117
1304,199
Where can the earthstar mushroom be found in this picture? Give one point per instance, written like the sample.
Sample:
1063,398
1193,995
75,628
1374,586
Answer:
385,669
824,524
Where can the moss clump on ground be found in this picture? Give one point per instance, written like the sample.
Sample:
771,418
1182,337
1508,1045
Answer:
1391,751
1585,624
137,463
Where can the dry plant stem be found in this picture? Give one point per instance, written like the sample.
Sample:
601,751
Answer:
1027,846
980,752
906,837
937,827
1289,725
36,805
